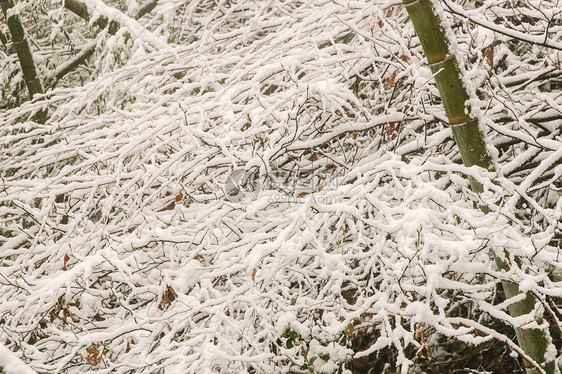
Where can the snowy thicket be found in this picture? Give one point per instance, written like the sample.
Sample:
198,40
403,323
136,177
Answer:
121,251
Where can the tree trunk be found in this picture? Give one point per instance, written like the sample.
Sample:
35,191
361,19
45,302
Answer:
472,147
23,51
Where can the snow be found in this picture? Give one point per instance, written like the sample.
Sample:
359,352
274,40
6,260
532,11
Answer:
474,16
11,364
118,242
137,30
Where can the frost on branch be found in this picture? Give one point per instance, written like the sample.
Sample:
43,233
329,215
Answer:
121,252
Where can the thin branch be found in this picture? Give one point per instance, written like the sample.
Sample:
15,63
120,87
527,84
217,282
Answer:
147,8
78,59
81,10
118,19
541,40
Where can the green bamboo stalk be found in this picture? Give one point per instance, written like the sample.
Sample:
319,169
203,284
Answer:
473,151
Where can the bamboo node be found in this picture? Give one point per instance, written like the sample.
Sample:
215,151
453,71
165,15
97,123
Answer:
437,65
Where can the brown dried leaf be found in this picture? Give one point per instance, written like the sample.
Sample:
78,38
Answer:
349,330
254,274
94,355
405,58
168,296
390,128
179,197
489,54
65,260
61,311
391,81
129,344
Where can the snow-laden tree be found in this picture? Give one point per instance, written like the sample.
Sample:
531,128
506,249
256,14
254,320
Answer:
359,246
